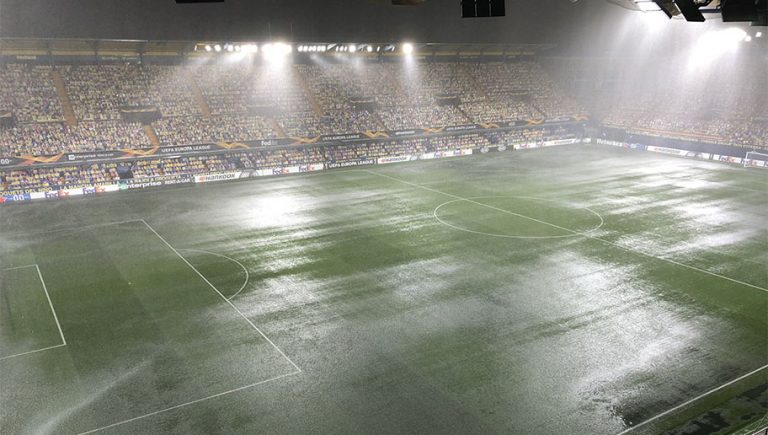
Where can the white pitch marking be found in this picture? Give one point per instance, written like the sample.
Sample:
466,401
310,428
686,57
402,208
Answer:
434,213
47,296
20,267
220,294
247,275
192,402
692,400
53,311
32,351
677,263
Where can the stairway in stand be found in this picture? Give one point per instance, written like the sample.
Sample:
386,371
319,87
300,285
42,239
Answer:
61,91
198,94
277,128
308,92
468,119
152,135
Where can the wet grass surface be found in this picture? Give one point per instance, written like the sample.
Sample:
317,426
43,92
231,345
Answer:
574,290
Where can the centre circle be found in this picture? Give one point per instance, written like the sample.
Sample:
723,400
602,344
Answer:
517,217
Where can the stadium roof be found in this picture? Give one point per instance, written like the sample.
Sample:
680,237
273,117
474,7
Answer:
527,21
127,47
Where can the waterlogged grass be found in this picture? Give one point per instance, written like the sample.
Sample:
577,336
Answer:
339,302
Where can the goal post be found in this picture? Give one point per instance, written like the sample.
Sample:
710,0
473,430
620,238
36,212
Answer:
756,159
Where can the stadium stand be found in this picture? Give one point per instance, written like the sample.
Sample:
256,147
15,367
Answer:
38,179
44,139
249,102
29,91
97,92
197,130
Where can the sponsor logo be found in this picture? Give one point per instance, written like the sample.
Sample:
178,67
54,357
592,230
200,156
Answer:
461,127
502,148
342,137
405,133
187,148
54,194
15,198
346,164
217,177
5,162
393,159
91,156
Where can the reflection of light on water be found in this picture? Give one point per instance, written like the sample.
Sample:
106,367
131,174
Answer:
605,337
418,280
707,214
276,211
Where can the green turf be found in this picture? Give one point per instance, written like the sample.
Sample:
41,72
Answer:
560,290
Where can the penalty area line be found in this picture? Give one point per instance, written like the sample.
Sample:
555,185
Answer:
32,351
191,402
245,269
234,307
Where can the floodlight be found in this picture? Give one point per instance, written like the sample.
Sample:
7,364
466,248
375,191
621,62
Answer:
758,35
352,47
217,47
276,52
208,47
647,6
407,48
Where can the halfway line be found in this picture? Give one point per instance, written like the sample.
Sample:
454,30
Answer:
573,232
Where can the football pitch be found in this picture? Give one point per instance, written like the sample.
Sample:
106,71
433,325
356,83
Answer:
574,290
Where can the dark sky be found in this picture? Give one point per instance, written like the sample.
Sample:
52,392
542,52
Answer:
532,21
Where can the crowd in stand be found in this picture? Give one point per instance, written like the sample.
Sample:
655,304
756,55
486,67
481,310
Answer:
725,105
494,111
197,130
98,92
47,178
28,90
248,101
211,102
422,116
49,139
241,88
